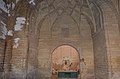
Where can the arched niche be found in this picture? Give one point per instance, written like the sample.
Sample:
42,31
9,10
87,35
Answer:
65,58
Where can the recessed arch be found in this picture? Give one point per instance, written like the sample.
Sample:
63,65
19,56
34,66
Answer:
64,58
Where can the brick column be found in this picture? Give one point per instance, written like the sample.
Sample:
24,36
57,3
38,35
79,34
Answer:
2,46
100,56
32,61
8,50
8,56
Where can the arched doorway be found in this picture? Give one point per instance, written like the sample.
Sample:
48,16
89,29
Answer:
65,62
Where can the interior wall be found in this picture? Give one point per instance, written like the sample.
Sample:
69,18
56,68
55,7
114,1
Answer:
111,24
62,23
51,36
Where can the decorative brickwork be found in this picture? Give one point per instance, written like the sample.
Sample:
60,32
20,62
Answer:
35,28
